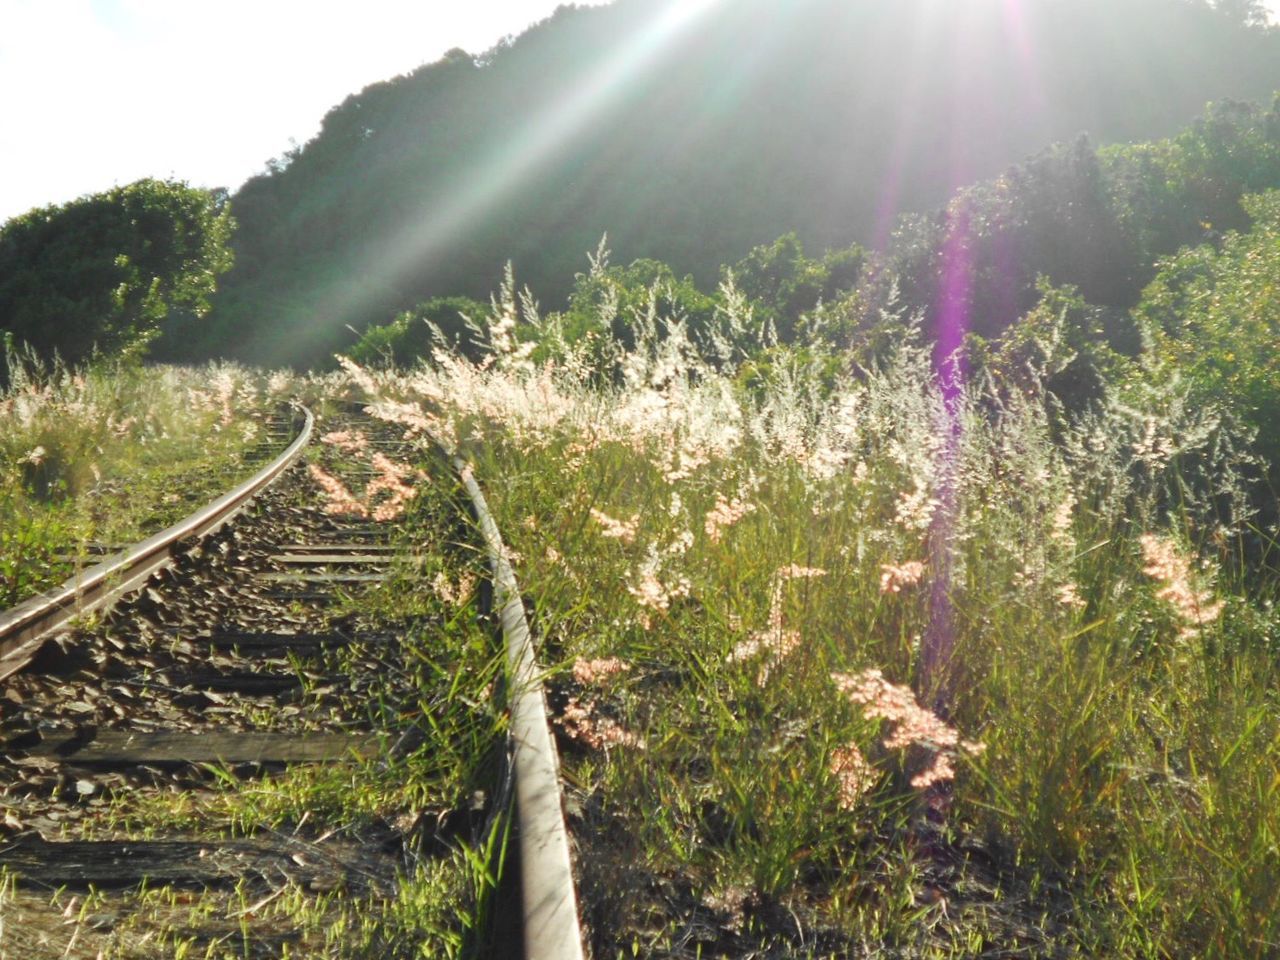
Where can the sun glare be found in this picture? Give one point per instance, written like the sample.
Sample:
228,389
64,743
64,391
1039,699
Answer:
502,173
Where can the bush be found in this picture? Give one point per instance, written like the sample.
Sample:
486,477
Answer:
1214,316
409,337
99,274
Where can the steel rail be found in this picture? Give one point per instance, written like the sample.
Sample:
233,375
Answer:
550,904
24,628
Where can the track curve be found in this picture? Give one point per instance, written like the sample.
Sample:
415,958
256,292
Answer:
25,627
115,710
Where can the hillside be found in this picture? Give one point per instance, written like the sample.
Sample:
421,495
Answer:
882,521
690,142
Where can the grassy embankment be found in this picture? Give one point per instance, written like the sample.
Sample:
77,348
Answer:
752,597
109,455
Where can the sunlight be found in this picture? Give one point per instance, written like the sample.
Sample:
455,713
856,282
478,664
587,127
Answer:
944,37
1018,31
502,173
921,49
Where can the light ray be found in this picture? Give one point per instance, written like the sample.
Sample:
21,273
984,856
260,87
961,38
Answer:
1019,32
922,42
502,173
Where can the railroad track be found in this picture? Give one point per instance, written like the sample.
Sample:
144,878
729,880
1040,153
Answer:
225,652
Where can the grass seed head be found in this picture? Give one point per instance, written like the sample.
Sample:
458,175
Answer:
894,578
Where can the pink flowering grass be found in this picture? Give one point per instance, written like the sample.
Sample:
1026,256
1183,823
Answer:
623,531
854,775
724,515
774,534
339,501
1171,569
584,721
599,670
384,497
911,725
348,441
893,578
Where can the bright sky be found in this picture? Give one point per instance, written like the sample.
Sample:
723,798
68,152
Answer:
95,93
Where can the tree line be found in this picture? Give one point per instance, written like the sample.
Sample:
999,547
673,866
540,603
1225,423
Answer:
691,145
840,127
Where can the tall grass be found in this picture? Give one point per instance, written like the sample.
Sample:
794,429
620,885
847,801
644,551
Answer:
111,453
718,560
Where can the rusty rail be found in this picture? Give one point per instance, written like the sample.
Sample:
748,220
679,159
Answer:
549,901
25,627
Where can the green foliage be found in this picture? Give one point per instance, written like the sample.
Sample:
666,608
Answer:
1214,316
784,285
427,184
1095,221
98,274
1170,193
775,294
410,336
31,535
983,254
703,558
1072,349
612,300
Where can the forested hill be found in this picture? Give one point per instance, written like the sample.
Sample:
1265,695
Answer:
690,140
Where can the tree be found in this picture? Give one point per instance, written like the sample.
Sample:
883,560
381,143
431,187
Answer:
626,293
783,284
1214,316
1073,349
98,274
1093,221
1250,13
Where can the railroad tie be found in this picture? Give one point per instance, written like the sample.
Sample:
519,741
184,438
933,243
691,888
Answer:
218,670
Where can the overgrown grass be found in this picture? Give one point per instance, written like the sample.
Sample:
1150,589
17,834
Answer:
715,570
435,790
110,454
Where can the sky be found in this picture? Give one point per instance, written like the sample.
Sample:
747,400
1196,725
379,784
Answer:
95,93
